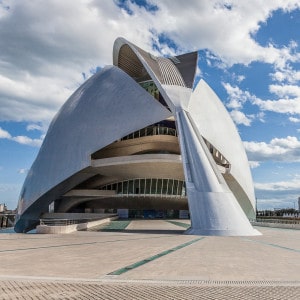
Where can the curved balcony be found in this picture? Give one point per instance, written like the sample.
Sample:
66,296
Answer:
139,143
150,131
148,186
154,193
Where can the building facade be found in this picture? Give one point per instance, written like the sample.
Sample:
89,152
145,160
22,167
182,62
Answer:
139,138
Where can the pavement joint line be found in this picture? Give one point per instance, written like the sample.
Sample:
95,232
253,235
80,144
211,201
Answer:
154,257
26,237
273,245
82,244
276,228
117,225
211,282
19,290
181,224
108,279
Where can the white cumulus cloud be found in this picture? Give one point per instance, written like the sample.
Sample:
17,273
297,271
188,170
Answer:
237,97
287,74
278,149
254,164
285,90
288,103
279,186
4,134
46,47
21,139
294,120
22,171
240,118
282,106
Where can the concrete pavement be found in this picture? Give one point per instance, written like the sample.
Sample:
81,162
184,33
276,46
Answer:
148,259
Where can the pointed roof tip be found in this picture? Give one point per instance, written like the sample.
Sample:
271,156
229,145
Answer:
186,64
120,39
203,85
202,81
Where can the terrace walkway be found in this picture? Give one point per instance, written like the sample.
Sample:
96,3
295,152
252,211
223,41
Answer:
150,259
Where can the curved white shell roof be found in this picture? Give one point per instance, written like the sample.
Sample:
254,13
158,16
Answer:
111,104
101,111
215,125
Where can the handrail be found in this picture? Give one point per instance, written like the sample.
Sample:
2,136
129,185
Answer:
278,221
64,222
150,131
155,187
151,195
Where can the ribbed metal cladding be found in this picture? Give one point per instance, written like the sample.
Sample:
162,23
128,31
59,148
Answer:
129,62
170,74
164,68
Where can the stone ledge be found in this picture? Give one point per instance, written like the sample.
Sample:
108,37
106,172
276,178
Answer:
44,229
277,225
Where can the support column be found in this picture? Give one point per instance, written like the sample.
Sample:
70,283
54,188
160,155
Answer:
214,210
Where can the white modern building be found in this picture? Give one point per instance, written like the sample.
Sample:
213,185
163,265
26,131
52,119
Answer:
140,139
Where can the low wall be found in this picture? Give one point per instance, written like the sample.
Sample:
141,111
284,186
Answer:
276,225
76,216
72,228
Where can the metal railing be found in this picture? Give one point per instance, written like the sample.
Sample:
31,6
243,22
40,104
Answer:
150,131
155,187
64,222
279,221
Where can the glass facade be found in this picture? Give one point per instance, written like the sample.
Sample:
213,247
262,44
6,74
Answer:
151,130
153,214
163,128
146,186
151,88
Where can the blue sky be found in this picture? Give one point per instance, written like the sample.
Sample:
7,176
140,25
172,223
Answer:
249,54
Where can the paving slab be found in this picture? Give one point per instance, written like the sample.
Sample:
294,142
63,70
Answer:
153,259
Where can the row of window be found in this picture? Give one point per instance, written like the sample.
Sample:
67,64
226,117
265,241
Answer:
151,130
152,186
151,88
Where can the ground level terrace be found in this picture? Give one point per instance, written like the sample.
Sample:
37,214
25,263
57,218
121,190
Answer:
150,259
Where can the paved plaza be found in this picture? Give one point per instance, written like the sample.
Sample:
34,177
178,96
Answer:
150,259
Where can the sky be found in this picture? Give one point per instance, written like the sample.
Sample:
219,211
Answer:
249,53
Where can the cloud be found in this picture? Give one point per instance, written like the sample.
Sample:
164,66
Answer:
276,200
285,105
21,139
42,58
279,149
46,47
240,78
294,120
278,194
22,171
4,134
212,20
292,185
287,74
240,118
261,116
254,164
4,7
285,90
25,140
38,127
237,97
282,106
9,193
4,187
